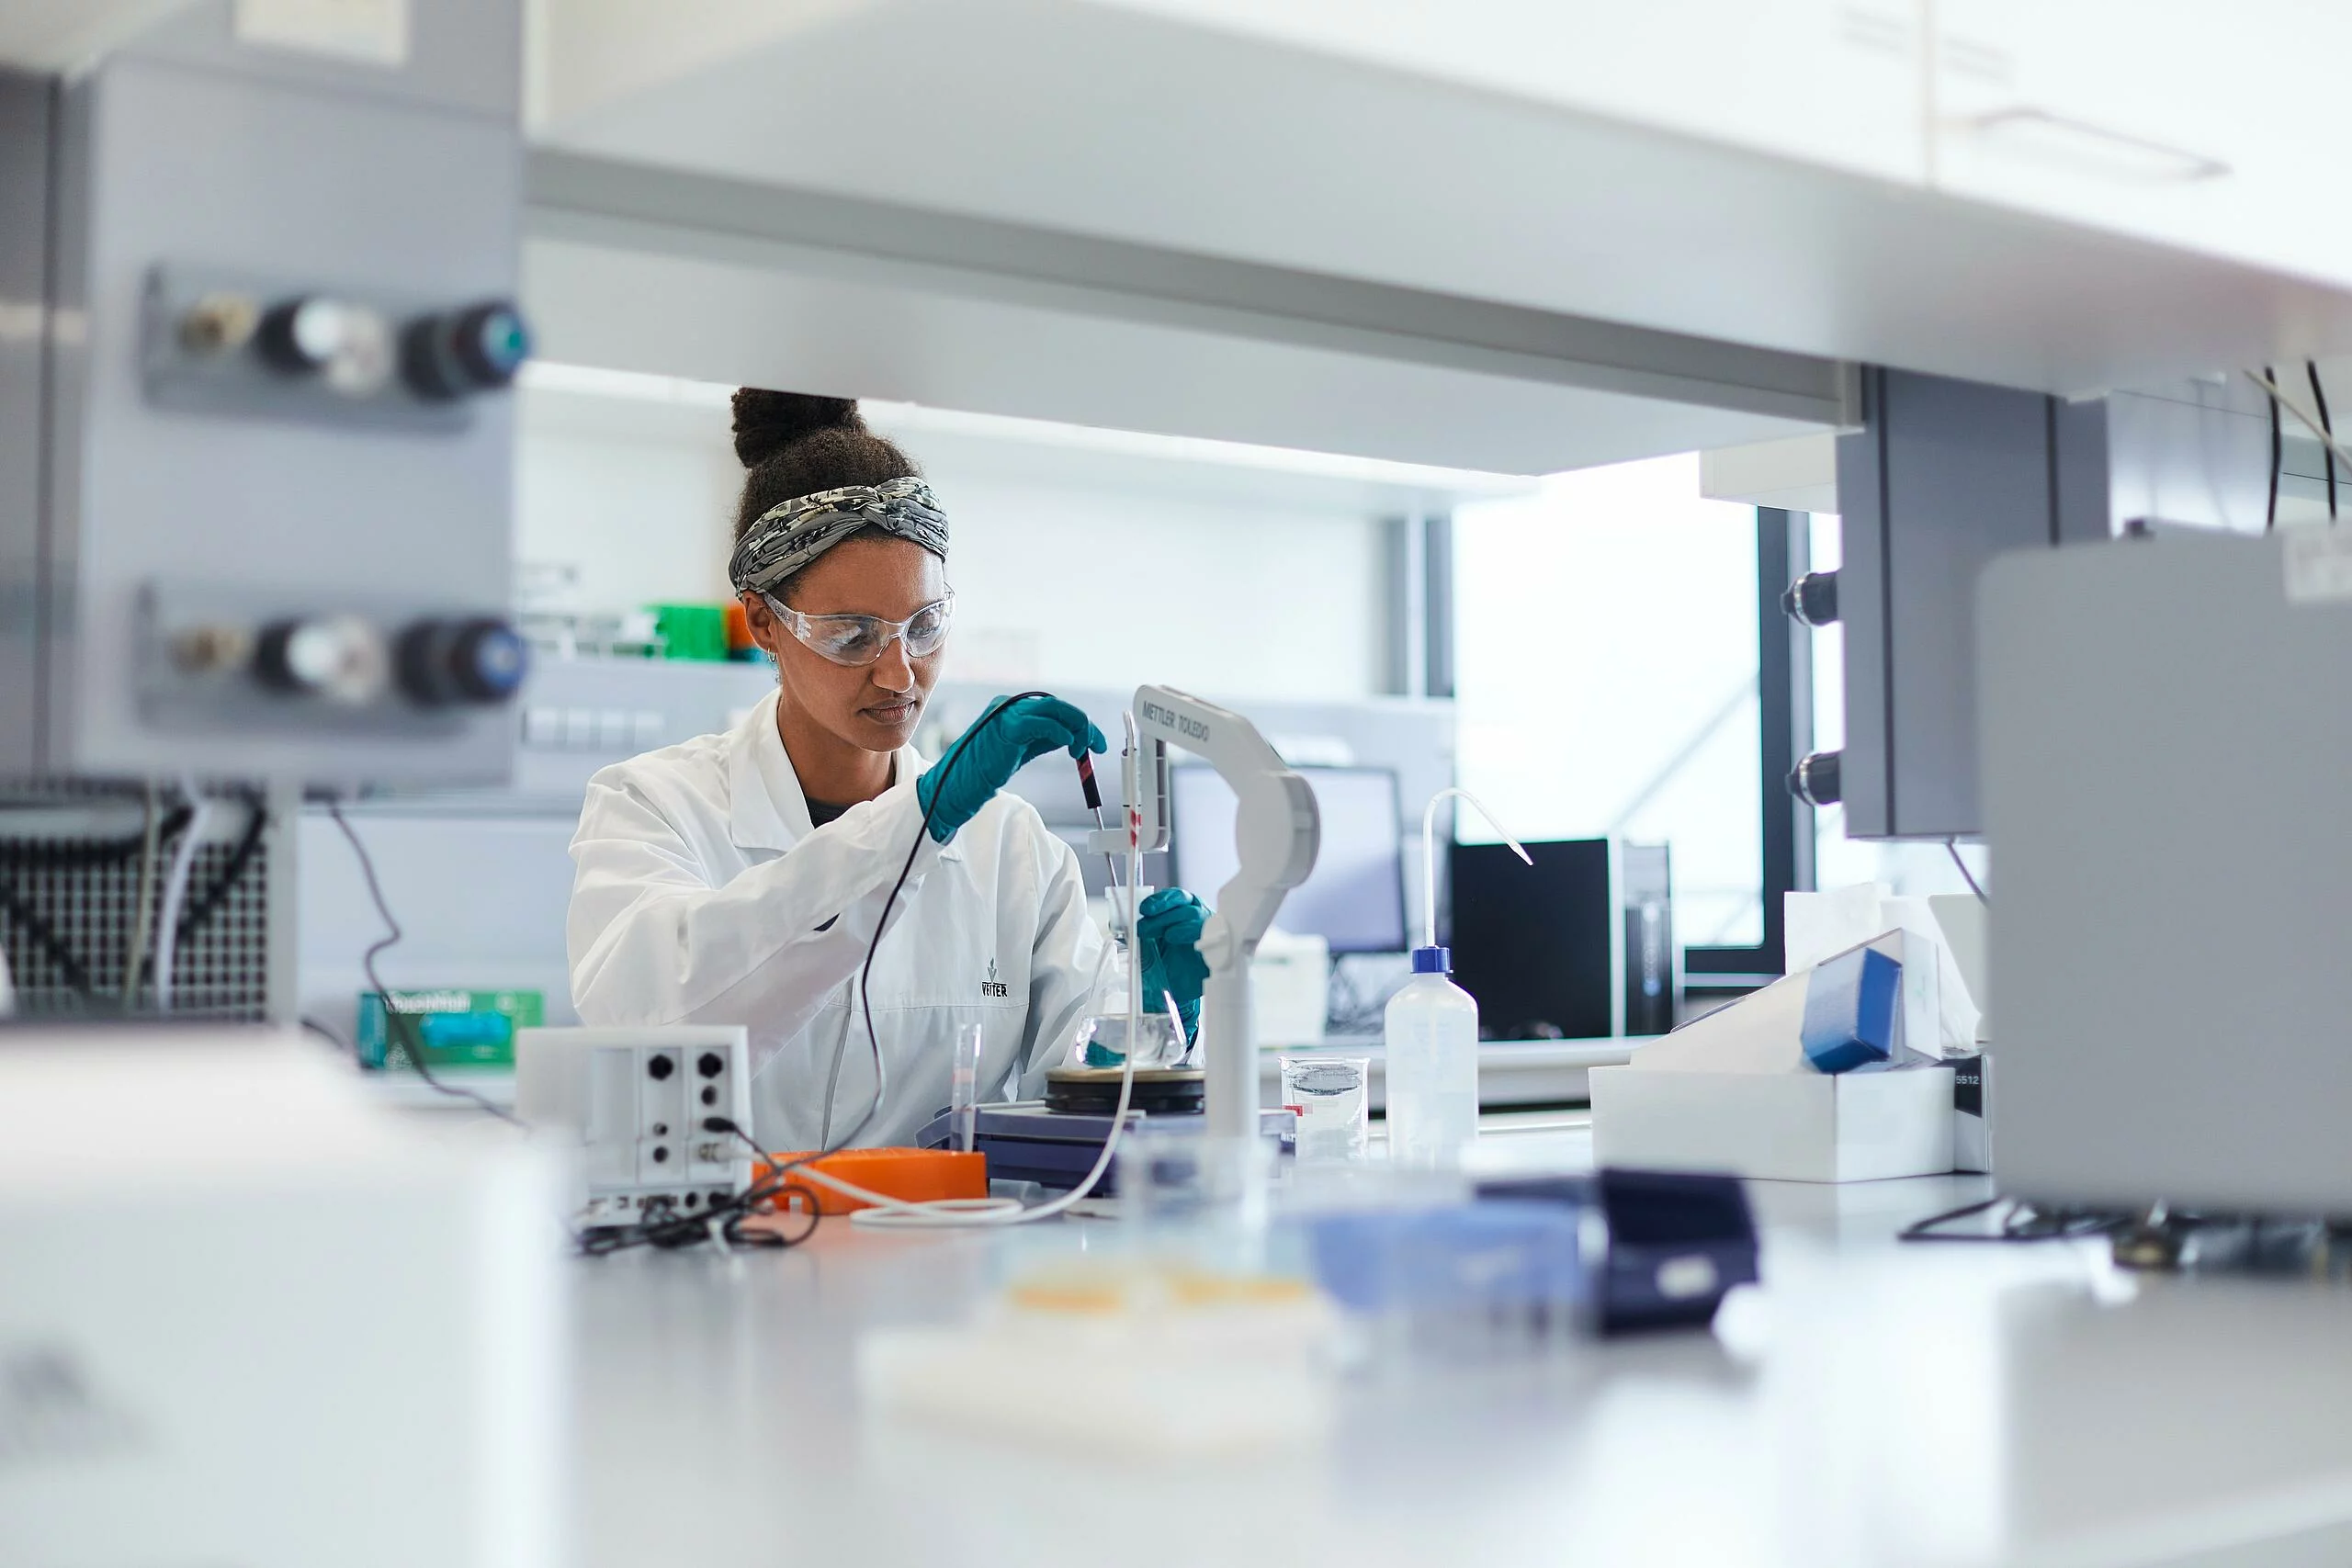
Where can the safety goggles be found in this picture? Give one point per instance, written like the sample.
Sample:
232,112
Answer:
857,641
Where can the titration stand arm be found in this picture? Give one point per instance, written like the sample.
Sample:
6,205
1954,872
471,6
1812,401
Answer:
1277,830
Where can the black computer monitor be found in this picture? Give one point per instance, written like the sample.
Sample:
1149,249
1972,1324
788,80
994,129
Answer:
1532,943
1354,898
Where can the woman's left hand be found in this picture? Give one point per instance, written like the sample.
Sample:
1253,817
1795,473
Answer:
1168,935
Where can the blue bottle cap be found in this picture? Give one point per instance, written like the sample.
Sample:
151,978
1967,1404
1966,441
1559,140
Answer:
1432,961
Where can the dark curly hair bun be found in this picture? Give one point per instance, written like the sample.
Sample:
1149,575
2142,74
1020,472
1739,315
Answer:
796,445
766,422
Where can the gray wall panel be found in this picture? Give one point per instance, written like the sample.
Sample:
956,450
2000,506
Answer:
26,104
283,174
1944,476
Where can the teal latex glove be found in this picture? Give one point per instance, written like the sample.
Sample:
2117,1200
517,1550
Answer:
1006,737
1168,934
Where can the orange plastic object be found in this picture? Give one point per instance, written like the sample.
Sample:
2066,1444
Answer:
738,629
916,1176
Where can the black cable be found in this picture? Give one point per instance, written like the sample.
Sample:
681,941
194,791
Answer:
28,920
677,1228
775,1181
1951,848
72,854
393,1017
2278,456
202,907
866,970
2327,430
53,855
668,1227
2024,1222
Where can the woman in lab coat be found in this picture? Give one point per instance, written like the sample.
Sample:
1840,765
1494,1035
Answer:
739,878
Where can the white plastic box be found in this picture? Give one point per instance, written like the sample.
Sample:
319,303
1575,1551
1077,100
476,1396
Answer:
1733,1092
1775,1126
249,1317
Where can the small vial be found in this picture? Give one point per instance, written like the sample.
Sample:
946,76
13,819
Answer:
963,1087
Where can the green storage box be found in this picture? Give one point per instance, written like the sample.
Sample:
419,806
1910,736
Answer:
457,1029
692,631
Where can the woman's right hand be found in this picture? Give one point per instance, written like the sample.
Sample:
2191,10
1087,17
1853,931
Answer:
1004,741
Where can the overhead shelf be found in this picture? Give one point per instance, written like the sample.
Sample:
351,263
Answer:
644,268
1181,127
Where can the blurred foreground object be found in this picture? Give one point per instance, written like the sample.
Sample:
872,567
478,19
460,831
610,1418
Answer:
2165,762
252,1318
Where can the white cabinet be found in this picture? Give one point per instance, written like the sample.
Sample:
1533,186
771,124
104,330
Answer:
1831,82
2197,123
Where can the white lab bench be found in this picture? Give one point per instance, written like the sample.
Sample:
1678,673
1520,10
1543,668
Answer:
1872,1403
1510,1072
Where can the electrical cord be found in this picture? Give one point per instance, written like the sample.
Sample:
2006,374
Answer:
28,920
2327,431
134,955
202,907
393,1017
53,855
167,922
1951,848
866,970
2278,459
2279,396
73,855
669,1228
885,1211
679,1228
682,1229
2022,1223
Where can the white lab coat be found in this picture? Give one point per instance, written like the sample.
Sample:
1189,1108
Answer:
704,896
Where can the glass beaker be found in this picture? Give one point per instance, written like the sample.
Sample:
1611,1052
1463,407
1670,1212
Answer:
1331,1096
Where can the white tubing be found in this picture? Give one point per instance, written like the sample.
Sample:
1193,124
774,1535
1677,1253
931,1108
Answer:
176,890
1428,854
949,1214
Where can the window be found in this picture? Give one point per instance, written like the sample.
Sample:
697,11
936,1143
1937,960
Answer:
1607,653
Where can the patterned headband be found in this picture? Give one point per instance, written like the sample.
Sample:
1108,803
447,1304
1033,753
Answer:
791,533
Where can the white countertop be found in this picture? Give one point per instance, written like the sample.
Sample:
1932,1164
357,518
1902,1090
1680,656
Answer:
1870,1404
1514,1072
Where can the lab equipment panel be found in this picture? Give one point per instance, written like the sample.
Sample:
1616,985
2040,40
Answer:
271,540
1943,476
634,1100
2165,757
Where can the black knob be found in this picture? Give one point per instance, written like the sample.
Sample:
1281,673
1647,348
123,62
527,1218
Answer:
711,1063
661,1066
1813,599
475,349
1815,781
477,659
